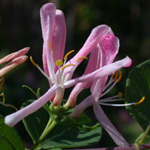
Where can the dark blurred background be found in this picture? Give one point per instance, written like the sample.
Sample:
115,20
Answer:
20,27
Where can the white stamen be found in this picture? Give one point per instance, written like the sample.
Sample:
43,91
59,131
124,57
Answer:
109,83
44,74
53,75
110,100
109,89
117,105
71,72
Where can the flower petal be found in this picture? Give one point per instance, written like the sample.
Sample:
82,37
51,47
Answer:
102,72
81,107
103,54
97,88
110,48
14,118
92,41
14,55
59,37
109,127
93,64
94,38
11,65
47,14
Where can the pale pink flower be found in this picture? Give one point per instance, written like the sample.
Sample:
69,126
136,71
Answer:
58,73
102,56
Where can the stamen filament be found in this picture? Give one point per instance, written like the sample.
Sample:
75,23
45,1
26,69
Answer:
44,74
65,57
52,73
117,105
36,65
109,83
75,66
141,101
109,89
8,105
110,100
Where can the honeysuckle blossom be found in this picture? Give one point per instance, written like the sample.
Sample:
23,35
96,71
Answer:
58,72
14,59
103,55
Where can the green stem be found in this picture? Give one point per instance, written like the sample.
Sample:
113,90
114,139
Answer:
48,124
145,134
51,124
141,138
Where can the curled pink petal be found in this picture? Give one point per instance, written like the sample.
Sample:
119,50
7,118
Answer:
110,47
47,13
103,54
94,38
102,72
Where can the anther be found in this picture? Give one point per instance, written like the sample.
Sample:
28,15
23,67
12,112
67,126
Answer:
81,58
62,68
31,59
65,57
120,94
2,94
141,101
50,46
2,81
120,76
116,76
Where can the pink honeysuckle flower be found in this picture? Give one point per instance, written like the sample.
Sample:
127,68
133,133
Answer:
102,56
58,73
14,59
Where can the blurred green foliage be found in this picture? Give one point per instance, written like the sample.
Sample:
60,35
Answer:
20,27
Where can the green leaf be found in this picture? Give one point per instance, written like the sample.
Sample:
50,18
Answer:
5,144
137,86
62,136
66,137
9,138
36,122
